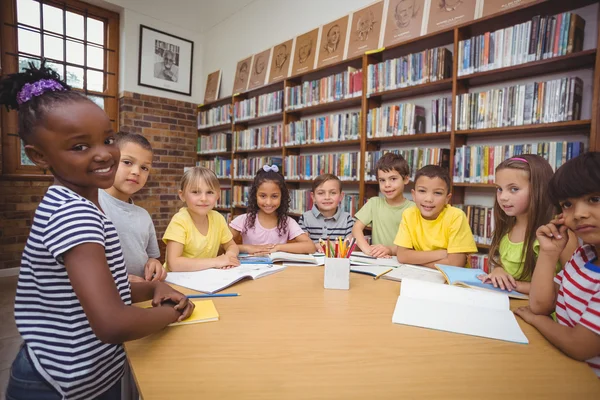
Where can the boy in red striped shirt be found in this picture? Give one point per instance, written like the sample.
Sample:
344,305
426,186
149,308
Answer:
575,292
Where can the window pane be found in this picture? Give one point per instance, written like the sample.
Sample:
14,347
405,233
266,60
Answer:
95,31
53,48
28,12
74,25
29,42
75,77
24,159
60,68
53,19
95,57
74,52
24,63
95,81
98,100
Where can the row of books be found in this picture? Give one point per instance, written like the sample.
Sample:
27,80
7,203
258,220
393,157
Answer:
259,106
533,103
246,168
481,221
227,216
265,137
216,143
215,116
301,201
540,38
226,199
477,164
416,158
221,166
413,69
330,128
344,165
480,261
441,114
240,196
336,87
395,120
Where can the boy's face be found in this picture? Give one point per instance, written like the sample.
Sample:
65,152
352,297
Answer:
134,168
431,196
328,195
391,184
582,216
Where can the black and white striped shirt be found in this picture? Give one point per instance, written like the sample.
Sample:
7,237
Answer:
59,339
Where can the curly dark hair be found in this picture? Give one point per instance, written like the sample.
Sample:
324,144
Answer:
284,206
32,113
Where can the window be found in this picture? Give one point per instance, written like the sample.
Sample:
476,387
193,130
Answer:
79,41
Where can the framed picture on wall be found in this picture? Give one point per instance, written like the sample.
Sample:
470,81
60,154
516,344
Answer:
165,61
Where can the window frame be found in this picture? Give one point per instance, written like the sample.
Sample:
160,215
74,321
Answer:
11,146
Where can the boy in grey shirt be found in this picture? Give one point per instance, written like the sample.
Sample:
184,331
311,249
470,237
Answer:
134,224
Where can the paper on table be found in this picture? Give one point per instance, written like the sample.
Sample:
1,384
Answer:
408,271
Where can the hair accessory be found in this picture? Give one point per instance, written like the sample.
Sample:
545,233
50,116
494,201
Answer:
270,168
520,159
31,90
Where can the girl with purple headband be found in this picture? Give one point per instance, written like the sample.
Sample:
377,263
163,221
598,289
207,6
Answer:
72,306
522,206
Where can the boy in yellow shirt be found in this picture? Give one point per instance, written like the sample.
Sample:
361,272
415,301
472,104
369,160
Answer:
434,232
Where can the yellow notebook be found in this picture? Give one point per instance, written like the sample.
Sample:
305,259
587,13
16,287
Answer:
205,311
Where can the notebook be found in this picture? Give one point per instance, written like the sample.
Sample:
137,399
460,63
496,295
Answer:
467,277
459,310
205,311
372,270
358,258
418,272
282,256
213,280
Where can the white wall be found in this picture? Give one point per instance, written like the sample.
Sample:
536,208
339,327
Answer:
263,24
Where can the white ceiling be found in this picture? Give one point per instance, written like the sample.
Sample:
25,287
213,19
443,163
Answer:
194,15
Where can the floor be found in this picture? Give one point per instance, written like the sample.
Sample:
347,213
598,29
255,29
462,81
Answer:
10,341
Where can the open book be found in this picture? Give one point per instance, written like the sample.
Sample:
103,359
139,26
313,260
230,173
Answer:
467,277
213,280
358,258
409,271
205,311
282,256
460,310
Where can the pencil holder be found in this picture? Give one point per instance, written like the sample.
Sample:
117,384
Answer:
337,273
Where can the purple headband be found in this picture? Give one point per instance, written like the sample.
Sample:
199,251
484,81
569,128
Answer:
31,90
520,159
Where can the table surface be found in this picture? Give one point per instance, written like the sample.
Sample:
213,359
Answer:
286,337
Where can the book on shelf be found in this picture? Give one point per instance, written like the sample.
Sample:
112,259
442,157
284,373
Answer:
333,42
214,280
213,86
328,128
416,158
306,46
240,196
220,166
225,197
215,143
477,164
301,201
265,137
441,114
280,61
540,38
365,30
458,310
445,14
259,70
308,166
242,75
246,168
413,69
480,261
396,120
468,278
215,116
481,220
259,106
404,21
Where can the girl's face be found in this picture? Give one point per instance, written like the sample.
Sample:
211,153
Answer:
199,198
268,197
513,191
76,142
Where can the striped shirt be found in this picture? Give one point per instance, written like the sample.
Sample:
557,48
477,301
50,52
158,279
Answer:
578,301
59,339
320,227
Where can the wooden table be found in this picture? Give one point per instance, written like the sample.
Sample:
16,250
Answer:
286,337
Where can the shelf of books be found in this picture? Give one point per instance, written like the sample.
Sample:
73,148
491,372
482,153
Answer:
465,97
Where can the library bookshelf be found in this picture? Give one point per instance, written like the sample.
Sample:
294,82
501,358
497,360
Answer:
451,86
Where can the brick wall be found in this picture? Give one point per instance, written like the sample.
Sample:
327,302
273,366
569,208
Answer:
169,125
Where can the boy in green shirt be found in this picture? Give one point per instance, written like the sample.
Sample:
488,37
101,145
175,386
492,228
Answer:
384,213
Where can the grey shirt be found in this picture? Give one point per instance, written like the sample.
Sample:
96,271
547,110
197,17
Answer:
319,227
135,229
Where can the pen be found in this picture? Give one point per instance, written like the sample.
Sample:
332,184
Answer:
383,273
204,296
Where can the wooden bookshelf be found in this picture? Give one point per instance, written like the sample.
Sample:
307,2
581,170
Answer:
261,150
223,209
216,128
473,185
277,117
215,154
326,107
445,85
420,137
324,144
566,128
482,246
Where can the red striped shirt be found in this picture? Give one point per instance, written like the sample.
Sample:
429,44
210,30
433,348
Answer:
578,300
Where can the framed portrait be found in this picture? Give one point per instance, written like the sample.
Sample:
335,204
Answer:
280,61
165,61
242,75
260,69
305,51
365,29
213,86
445,14
333,42
404,20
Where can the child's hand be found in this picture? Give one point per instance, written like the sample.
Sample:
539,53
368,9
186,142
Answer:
260,250
164,293
380,251
135,278
553,237
226,261
319,248
526,313
500,278
154,271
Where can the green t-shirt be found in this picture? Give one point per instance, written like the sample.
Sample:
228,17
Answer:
384,219
511,253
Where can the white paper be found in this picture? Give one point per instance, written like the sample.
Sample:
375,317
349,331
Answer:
407,271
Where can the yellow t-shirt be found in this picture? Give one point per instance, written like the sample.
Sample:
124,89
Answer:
511,253
449,231
182,230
